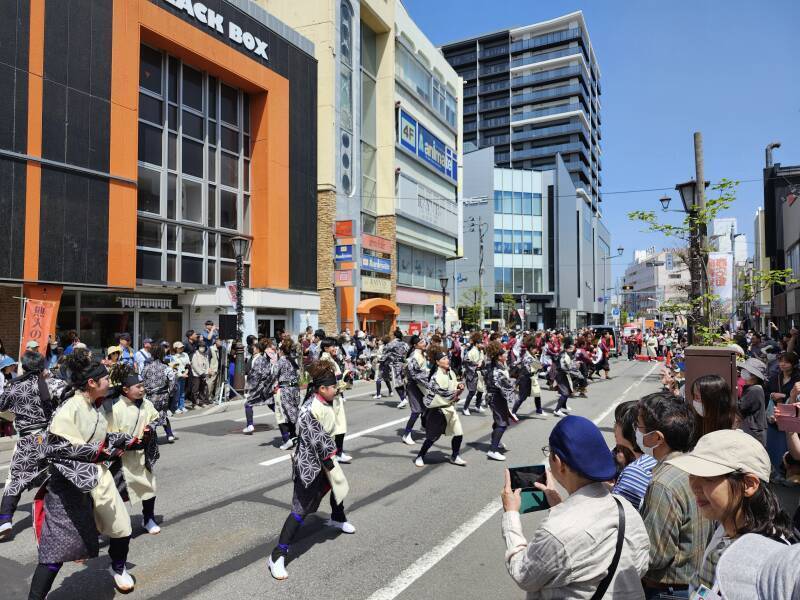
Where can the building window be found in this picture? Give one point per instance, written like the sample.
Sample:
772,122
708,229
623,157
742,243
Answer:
419,268
517,203
192,201
369,67
430,90
346,96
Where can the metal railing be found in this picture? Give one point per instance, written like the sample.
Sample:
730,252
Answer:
556,37
532,60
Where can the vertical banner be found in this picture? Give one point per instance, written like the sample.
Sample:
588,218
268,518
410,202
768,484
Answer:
231,287
39,315
720,278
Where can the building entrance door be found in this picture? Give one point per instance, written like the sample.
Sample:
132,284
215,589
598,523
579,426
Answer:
268,326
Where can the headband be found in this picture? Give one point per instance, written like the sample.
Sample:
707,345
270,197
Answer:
95,371
437,356
131,380
326,379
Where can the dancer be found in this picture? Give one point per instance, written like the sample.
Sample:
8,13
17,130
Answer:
417,375
384,370
564,369
440,414
500,393
473,362
80,498
137,416
528,380
329,351
158,379
31,398
314,470
397,350
288,401
259,388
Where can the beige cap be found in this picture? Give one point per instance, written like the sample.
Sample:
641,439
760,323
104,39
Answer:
31,344
112,349
725,451
177,345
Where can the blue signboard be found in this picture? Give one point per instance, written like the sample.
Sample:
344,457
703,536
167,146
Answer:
414,137
344,253
376,263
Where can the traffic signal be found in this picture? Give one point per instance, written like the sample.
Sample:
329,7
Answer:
627,288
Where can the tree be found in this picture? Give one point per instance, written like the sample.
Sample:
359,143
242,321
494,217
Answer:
471,306
509,306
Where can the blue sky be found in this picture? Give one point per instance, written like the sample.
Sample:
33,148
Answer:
726,68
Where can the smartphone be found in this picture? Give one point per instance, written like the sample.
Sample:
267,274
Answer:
523,478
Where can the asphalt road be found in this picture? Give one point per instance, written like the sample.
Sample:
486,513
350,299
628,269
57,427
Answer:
427,533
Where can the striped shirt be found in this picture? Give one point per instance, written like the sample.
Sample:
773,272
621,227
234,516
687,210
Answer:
633,480
678,533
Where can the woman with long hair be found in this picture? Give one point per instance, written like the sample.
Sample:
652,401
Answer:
158,379
713,404
288,401
472,363
80,500
417,375
260,381
528,380
441,417
500,393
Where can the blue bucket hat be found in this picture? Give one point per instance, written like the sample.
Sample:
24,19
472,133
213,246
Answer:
7,361
578,442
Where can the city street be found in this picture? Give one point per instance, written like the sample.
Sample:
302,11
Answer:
421,533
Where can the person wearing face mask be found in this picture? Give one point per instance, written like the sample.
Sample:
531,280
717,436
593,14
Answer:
751,405
713,404
635,475
678,533
729,475
592,544
199,366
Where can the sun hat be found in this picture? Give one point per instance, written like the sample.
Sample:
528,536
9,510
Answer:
31,344
113,349
177,345
755,367
725,451
580,444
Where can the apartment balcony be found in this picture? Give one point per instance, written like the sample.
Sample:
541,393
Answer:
495,104
501,157
543,112
470,75
577,167
564,91
532,60
496,86
548,76
471,91
496,122
550,150
470,127
494,69
470,109
545,132
495,140
463,59
494,52
549,39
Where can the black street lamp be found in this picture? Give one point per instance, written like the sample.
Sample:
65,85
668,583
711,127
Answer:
444,281
240,246
524,300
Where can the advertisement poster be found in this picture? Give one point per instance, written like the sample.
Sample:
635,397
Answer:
39,315
720,277
231,287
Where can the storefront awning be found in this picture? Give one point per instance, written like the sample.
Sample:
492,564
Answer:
377,306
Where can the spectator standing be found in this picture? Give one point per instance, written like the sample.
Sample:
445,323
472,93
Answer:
143,356
215,354
780,387
678,533
713,404
190,346
180,362
752,406
635,476
126,354
210,333
199,370
577,552
72,339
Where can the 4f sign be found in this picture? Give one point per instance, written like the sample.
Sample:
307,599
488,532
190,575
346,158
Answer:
215,21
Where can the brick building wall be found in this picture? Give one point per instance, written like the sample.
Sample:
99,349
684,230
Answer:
326,214
387,228
10,318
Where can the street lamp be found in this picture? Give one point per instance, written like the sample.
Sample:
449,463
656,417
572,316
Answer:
665,200
240,246
444,281
524,300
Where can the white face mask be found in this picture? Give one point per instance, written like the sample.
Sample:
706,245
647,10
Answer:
698,407
640,442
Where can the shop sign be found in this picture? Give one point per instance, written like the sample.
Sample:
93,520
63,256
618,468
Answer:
39,316
414,328
376,285
343,278
343,252
417,139
376,243
344,229
216,21
128,302
376,263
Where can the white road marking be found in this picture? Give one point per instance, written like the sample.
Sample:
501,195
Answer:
427,561
352,436
2,467
243,419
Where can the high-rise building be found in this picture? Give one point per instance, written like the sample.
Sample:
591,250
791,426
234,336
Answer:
725,238
388,151
533,92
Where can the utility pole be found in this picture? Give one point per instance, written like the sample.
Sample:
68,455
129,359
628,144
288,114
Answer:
697,234
482,228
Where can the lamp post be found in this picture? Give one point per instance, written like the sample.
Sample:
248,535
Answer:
240,246
443,281
524,300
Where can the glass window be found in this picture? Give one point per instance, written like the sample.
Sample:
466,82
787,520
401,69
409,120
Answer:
172,237
229,170
246,113
151,109
528,287
148,265
519,280
537,242
508,282
149,191
517,203
369,224
172,79
172,152
192,241
419,268
227,209
172,117
191,200
498,202
150,69
212,98
517,241
508,203
171,262
527,242
404,257
212,272
191,269
172,184
537,205
150,144
230,105
229,138
508,241
498,241
192,157
368,130
537,281
212,163
192,88
498,280
369,51
211,200
527,203
192,125
148,234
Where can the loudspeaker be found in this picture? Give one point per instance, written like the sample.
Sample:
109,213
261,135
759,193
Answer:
227,327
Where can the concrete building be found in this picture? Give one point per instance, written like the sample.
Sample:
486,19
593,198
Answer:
760,310
724,237
655,277
542,240
389,214
533,92
142,141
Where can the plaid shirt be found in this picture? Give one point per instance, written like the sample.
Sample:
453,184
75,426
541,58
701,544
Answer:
678,533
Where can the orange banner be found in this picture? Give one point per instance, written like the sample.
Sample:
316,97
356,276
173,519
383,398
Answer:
39,316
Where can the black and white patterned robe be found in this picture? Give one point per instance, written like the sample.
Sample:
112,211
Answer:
32,414
159,384
417,376
394,354
261,380
288,381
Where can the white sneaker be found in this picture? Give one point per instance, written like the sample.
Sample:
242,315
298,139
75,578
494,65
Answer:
481,409
403,403
465,411
514,417
377,396
5,531
171,439
419,462
123,581
344,458
287,445
346,527
458,461
248,430
170,413
495,455
151,527
407,439
559,413
277,569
